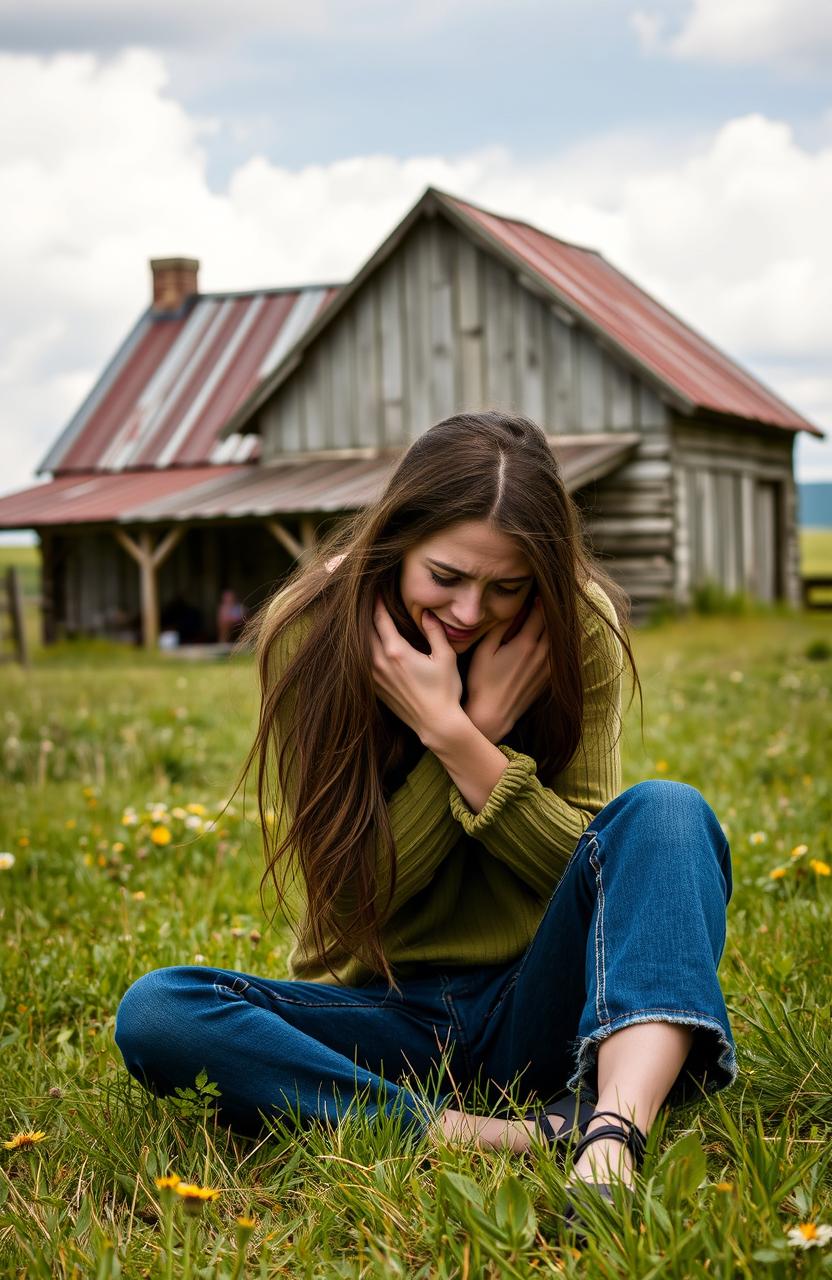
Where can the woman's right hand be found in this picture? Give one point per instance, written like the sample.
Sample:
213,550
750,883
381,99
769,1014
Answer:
422,689
505,679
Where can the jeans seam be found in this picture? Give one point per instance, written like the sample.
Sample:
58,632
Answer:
456,1023
238,986
235,987
601,1010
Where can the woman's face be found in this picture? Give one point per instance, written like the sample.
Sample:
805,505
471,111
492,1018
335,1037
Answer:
470,575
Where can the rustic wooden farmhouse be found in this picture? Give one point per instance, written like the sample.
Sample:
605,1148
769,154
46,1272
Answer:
229,427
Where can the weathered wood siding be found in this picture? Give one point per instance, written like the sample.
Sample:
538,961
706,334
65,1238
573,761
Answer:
629,514
443,326
440,327
736,511
95,584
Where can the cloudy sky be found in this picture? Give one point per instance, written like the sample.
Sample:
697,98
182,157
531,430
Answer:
689,140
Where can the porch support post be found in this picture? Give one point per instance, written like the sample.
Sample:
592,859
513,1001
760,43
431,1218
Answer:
307,533
149,558
285,538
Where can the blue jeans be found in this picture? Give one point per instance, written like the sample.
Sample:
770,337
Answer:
632,933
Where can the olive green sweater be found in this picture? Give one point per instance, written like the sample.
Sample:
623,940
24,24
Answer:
471,887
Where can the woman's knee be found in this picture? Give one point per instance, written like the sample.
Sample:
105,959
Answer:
670,819
150,1014
665,802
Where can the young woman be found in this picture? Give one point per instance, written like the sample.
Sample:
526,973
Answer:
473,900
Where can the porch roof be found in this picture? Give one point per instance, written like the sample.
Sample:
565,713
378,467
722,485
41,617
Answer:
292,486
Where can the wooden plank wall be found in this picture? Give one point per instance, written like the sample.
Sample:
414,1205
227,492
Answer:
629,514
440,327
95,579
736,510
443,326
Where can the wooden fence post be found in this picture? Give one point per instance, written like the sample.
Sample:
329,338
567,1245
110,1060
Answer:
14,605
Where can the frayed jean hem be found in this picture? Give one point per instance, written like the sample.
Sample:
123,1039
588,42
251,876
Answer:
710,1067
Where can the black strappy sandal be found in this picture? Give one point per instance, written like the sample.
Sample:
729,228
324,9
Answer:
629,1135
576,1116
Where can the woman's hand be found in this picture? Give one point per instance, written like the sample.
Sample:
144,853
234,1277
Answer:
423,690
505,679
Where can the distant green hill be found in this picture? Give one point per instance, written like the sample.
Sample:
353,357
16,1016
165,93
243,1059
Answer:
815,505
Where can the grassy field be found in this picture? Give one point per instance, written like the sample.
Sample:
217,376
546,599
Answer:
104,757
816,551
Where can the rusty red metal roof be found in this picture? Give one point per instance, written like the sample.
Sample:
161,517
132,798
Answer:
659,341
103,498
178,378
293,486
299,485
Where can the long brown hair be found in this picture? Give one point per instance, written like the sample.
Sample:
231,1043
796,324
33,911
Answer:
343,739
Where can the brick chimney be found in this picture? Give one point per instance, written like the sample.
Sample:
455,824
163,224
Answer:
174,279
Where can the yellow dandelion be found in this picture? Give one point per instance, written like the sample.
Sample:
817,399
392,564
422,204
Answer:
160,835
194,1197
661,766
70,824
198,809
88,791
248,1224
819,867
88,860
190,1191
777,873
22,1140
139,895
799,850
102,861
118,847
724,1186
758,837
23,842
169,1181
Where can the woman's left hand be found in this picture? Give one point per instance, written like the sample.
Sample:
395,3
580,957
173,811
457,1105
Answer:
506,676
423,690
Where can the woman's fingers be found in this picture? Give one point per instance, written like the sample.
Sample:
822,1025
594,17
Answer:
388,632
435,633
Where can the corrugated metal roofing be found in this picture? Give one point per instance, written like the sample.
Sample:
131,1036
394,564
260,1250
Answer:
693,372
679,356
284,488
72,499
177,379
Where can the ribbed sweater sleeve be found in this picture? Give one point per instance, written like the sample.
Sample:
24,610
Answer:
533,828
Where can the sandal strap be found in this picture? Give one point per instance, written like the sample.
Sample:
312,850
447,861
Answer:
566,1107
545,1126
630,1136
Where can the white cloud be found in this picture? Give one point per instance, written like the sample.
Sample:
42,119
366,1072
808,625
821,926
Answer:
787,34
104,171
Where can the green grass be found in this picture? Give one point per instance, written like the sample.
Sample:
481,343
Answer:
733,705
816,552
